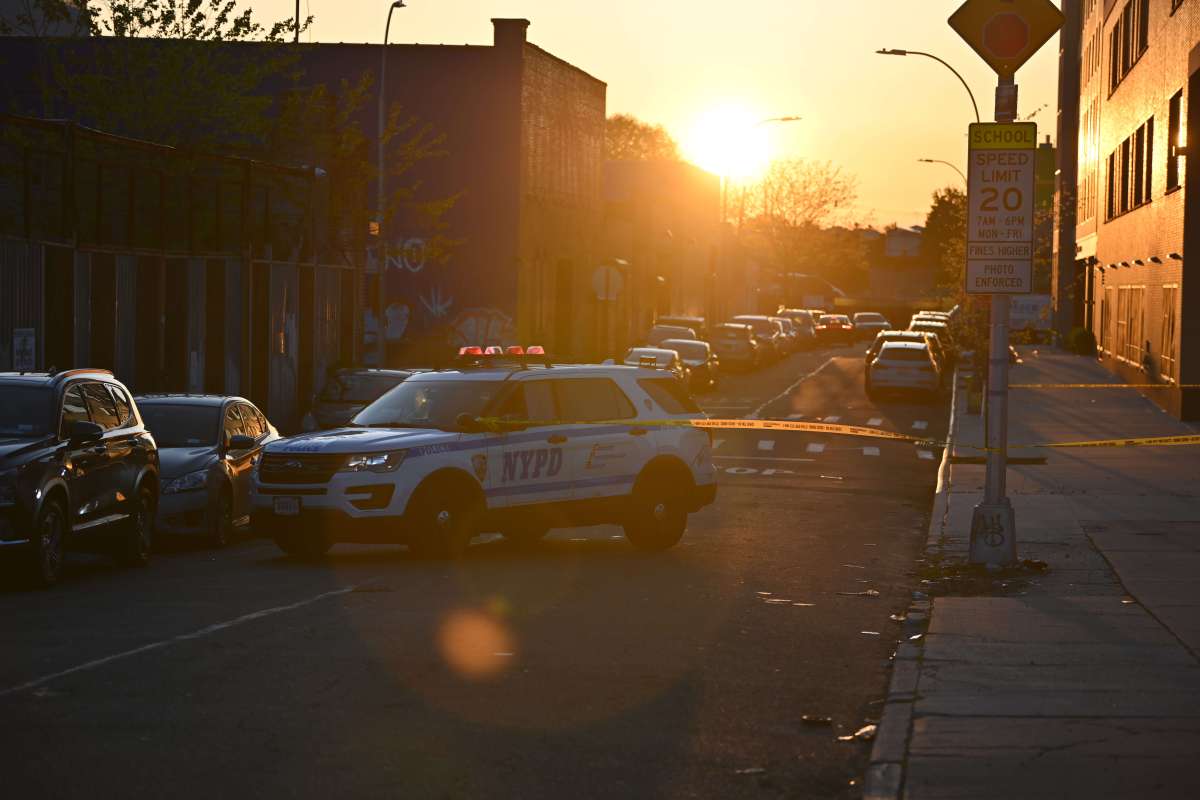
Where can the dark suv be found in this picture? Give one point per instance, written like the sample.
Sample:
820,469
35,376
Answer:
78,470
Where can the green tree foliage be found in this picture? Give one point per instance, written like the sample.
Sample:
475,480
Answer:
945,240
627,138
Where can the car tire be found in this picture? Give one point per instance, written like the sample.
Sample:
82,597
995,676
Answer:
658,513
137,538
221,533
49,544
525,536
304,545
443,521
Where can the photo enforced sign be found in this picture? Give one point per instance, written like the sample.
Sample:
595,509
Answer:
1002,160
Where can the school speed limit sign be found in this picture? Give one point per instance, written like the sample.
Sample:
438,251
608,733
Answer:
1002,161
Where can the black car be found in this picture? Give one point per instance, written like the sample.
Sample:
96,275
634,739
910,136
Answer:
348,391
207,448
78,470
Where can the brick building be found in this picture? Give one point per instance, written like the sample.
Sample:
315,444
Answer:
1120,269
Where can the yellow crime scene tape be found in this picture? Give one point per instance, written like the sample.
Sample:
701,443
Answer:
499,425
1104,386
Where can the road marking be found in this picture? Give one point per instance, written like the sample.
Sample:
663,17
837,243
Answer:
832,420
762,458
816,447
874,422
766,444
925,455
870,451
920,425
183,637
758,411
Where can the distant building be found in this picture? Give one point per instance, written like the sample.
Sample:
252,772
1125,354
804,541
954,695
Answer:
1134,219
662,220
903,272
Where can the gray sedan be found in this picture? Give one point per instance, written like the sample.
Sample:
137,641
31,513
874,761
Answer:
207,446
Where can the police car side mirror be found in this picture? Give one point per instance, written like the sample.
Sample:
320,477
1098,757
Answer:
80,432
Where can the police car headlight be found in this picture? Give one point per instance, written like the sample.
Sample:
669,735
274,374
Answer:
374,462
187,483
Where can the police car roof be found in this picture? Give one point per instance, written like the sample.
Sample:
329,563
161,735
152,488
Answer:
185,399
510,371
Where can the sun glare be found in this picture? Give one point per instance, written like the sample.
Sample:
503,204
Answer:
729,141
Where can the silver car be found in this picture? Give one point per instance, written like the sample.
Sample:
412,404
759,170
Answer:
903,365
207,447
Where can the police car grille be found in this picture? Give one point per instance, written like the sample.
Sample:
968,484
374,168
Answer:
307,468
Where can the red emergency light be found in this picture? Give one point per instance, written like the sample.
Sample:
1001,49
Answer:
473,350
493,350
516,350
535,350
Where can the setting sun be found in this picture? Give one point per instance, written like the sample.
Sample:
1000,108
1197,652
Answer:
729,141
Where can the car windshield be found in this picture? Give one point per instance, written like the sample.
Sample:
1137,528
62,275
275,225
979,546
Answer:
181,424
429,404
869,317
904,354
25,411
358,387
761,327
696,351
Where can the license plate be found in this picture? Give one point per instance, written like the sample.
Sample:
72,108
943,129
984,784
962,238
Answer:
287,506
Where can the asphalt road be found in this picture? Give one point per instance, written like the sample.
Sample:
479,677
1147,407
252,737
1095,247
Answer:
578,669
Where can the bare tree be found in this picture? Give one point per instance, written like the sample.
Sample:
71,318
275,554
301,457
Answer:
627,138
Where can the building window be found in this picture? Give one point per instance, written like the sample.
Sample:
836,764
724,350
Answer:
1131,172
1175,139
1168,358
1130,323
1129,39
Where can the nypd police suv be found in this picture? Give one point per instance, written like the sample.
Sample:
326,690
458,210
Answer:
497,443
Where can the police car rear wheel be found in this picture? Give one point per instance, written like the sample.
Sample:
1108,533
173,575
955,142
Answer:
658,517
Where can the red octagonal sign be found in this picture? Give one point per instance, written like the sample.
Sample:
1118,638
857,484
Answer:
1006,35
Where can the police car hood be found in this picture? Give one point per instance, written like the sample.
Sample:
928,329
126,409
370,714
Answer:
361,440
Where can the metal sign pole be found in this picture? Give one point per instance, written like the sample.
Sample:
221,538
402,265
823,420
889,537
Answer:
993,525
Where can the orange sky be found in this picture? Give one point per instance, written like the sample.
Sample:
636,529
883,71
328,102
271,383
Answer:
668,61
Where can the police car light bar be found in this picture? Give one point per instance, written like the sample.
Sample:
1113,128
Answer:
493,350
474,350
516,350
535,350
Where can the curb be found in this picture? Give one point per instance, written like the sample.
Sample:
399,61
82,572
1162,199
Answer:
885,772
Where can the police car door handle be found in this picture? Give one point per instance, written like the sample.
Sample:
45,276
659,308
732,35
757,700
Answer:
557,439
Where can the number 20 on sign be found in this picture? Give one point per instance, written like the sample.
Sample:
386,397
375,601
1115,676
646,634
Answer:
1000,208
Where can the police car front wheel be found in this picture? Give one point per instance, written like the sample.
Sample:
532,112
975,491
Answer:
443,522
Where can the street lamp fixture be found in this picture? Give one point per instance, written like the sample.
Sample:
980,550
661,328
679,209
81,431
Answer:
897,52
947,163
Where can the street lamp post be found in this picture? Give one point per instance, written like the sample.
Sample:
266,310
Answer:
947,163
381,182
896,52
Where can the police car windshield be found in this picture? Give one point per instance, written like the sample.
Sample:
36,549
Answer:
24,411
428,404
181,424
351,388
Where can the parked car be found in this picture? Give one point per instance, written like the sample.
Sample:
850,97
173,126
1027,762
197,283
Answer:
791,337
207,447
78,470
927,325
940,357
766,333
904,366
701,361
348,391
869,323
658,358
834,328
736,346
660,332
802,320
697,324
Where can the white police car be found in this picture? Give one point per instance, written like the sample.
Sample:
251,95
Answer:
496,444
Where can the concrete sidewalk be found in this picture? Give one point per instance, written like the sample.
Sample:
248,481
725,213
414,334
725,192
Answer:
1083,681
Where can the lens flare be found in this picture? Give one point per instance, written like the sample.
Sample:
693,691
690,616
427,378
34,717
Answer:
475,644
